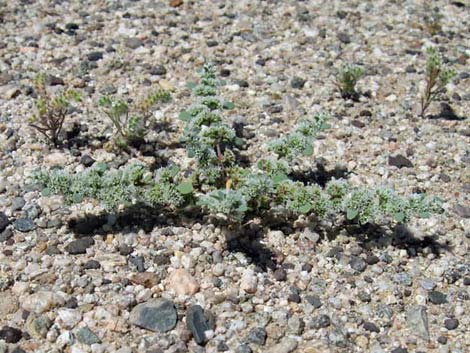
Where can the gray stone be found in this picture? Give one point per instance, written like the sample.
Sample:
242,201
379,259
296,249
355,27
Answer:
297,82
155,315
320,321
95,56
79,246
257,335
371,327
399,161
314,300
86,336
338,337
10,334
38,327
17,204
427,284
24,225
5,235
403,278
357,264
197,323
462,211
133,43
437,298
417,320
451,324
4,221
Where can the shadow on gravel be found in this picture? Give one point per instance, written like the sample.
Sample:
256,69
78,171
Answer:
401,237
446,113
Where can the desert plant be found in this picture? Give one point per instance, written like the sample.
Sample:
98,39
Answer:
437,77
51,109
132,125
221,186
346,80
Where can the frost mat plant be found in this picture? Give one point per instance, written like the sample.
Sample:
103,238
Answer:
220,186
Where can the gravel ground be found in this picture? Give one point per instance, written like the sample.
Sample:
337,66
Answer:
74,281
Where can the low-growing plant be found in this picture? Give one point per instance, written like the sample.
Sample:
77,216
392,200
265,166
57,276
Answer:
437,77
221,186
51,109
346,80
132,125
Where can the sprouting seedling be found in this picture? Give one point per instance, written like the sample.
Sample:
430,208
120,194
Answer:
132,126
437,77
346,80
51,110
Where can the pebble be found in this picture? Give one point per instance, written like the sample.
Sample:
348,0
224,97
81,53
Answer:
314,300
42,301
257,336
155,315
249,282
287,345
297,82
399,161
86,336
280,275
451,324
4,221
24,225
197,323
37,326
357,264
462,211
437,297
417,320
17,204
68,318
182,283
86,160
79,246
370,326
10,334
95,56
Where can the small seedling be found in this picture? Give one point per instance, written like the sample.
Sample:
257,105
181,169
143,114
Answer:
51,110
437,77
132,126
346,80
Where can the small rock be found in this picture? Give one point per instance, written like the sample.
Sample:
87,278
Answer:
321,321
52,80
4,221
427,284
399,350
462,211
197,323
86,336
133,43
10,92
287,345
146,279
399,161
8,303
249,282
79,246
55,159
182,283
344,37
314,300
372,259
357,123
5,235
41,302
297,82
17,204
91,265
10,334
417,320
24,225
244,348
155,315
95,56
71,303
442,339
257,335
338,337
125,249
158,70
403,278
280,275
212,43
38,326
451,324
176,3
370,326
138,262
86,160
357,264
437,298
68,318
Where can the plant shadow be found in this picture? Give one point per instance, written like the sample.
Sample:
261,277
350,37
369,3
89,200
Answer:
446,113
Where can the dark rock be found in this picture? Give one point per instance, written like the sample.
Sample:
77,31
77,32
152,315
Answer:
410,69
95,56
212,43
338,337
86,160
18,350
52,80
365,112
53,250
79,246
399,161
357,264
445,178
10,334
294,298
358,123
307,267
442,339
225,72
71,26
241,83
321,321
155,315
125,249
158,70
275,108
437,298
399,350
403,278
257,335
86,336
91,265
466,281
372,259
297,82
260,62
6,235
452,276
451,324
72,303
344,37
4,221
335,252
197,322
462,211
24,225
370,326
280,274
314,300
364,296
